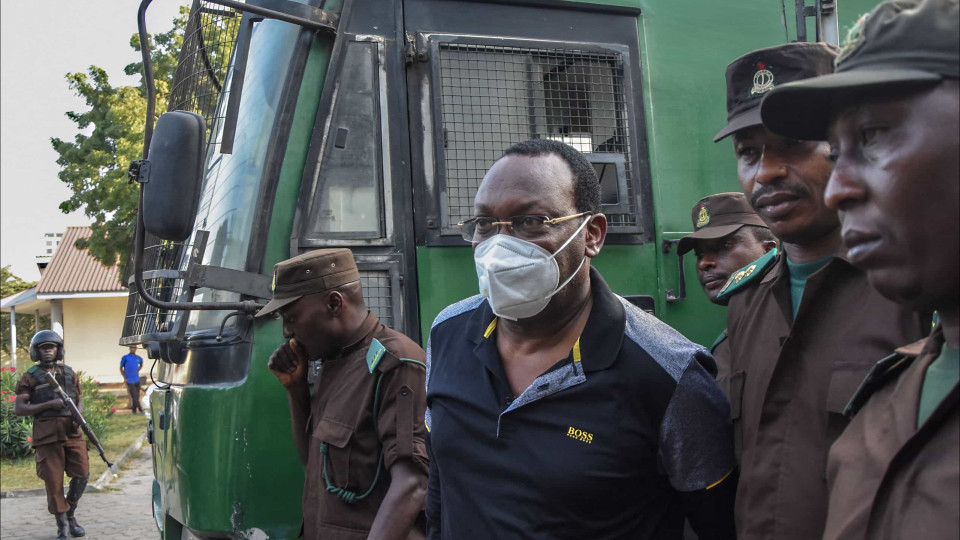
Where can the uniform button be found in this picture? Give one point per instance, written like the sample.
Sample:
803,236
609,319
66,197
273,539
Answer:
404,392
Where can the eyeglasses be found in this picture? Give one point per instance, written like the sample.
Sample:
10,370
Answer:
479,229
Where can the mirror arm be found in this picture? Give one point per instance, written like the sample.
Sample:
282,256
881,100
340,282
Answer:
147,75
247,306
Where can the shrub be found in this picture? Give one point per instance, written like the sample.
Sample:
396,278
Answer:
97,406
16,431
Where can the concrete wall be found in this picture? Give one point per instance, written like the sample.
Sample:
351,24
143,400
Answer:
91,328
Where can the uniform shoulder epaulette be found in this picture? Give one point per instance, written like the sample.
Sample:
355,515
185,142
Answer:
748,273
375,354
378,357
33,369
880,374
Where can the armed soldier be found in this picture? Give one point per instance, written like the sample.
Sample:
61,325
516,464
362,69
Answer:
57,439
804,325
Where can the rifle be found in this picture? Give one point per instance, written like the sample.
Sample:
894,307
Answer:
77,416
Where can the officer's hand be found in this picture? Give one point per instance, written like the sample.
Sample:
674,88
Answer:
288,363
56,404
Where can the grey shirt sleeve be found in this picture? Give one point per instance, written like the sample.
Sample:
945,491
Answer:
696,435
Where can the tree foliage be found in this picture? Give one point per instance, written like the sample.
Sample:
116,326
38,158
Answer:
11,284
110,135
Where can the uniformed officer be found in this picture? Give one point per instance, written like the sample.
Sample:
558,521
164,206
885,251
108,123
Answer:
360,431
804,325
728,235
892,115
57,439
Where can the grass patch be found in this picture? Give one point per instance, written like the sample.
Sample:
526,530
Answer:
124,430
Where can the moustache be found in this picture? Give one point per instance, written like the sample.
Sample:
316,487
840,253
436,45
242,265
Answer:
712,276
798,190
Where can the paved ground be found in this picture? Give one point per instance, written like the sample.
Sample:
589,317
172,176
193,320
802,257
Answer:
122,511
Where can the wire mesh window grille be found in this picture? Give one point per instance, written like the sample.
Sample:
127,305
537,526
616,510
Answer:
200,78
199,82
378,294
495,96
141,317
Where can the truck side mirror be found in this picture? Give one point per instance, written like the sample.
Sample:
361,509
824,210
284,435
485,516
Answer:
171,190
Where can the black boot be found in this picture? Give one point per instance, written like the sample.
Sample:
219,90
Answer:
77,485
61,527
75,528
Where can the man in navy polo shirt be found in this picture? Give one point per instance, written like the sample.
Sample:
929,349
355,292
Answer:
556,409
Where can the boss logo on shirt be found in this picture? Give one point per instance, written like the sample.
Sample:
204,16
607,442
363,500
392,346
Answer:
580,435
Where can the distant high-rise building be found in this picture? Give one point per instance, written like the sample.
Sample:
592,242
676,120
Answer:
48,247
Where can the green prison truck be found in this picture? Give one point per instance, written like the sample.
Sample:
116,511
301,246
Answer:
369,124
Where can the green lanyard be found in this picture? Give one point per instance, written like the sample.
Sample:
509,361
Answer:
342,493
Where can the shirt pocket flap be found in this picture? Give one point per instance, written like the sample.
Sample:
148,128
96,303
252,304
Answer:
332,432
844,381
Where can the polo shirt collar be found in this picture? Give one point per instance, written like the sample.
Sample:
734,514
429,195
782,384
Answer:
599,343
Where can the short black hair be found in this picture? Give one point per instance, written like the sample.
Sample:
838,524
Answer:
586,184
761,234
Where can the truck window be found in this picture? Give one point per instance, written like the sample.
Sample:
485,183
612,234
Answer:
232,182
348,201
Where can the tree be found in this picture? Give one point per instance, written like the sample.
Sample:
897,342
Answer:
95,163
11,284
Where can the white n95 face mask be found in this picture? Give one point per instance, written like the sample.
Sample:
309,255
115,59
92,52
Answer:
517,277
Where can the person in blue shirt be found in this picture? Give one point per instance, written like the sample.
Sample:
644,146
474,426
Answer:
130,366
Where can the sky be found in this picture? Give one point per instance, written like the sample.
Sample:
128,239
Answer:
40,42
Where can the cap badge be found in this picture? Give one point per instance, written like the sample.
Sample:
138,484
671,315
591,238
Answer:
853,40
703,218
762,80
273,284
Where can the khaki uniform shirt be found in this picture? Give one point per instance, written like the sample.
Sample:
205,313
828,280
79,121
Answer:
888,477
789,384
54,429
721,355
342,416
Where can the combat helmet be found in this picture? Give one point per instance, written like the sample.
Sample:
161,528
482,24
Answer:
45,336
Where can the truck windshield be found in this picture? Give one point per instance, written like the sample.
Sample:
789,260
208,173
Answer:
232,182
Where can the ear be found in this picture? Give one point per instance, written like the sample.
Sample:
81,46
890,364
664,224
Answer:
596,234
768,245
335,303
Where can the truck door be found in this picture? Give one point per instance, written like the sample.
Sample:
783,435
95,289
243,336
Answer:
355,191
485,75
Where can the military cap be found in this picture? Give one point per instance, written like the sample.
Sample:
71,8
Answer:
751,76
312,272
900,45
716,216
